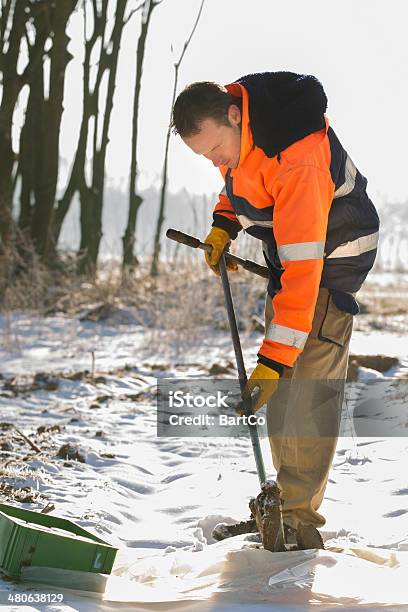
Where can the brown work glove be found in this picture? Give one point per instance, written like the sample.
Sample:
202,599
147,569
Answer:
219,239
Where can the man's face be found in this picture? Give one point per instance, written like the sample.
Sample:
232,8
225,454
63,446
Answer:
219,143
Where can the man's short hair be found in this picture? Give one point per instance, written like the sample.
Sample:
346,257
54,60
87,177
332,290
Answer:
199,101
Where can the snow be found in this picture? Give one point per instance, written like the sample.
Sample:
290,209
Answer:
373,342
158,499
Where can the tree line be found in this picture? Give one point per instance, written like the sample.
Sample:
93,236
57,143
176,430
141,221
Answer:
34,55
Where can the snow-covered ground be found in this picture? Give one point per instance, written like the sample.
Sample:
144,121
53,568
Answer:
157,499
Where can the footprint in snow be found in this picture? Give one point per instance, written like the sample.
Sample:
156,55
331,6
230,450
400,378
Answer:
174,477
400,491
395,513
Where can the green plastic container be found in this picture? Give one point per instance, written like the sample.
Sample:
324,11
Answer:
32,539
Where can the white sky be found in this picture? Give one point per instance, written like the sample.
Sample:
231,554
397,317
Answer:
357,48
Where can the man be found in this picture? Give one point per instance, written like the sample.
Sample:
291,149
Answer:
290,184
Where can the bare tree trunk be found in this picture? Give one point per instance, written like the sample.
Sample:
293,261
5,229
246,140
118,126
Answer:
154,271
31,137
92,198
11,86
135,200
45,197
76,180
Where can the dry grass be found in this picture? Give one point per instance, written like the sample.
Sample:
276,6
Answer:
176,308
181,305
23,279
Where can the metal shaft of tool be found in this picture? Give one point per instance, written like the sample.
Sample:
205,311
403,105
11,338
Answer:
256,447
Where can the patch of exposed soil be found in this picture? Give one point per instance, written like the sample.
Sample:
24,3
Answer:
381,363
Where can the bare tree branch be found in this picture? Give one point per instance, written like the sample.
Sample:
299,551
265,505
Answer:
5,11
135,200
84,22
186,44
36,52
92,198
95,11
132,12
76,180
154,270
27,40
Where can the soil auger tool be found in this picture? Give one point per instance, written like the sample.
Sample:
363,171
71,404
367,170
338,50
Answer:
266,508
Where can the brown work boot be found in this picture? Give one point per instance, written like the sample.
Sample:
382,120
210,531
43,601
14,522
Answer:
303,538
308,536
266,509
287,540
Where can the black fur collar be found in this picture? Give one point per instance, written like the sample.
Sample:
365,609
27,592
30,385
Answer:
283,108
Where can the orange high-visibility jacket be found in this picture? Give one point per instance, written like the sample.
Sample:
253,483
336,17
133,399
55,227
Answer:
296,189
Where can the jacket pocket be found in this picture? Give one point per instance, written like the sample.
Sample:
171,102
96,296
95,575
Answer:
336,324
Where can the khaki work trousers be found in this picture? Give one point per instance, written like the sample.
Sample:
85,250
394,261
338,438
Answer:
303,415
